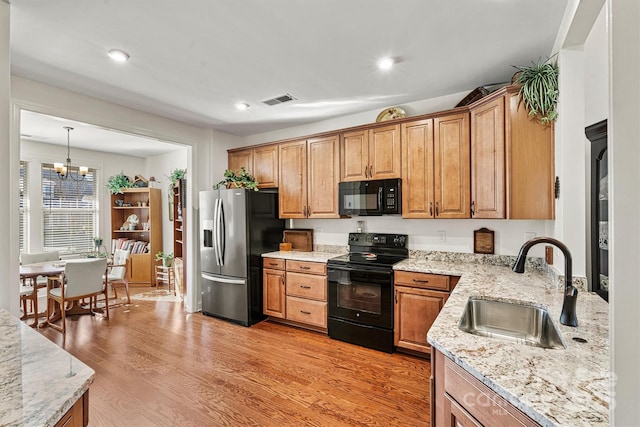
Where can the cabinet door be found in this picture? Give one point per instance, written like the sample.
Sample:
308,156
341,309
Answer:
323,169
265,166
487,160
415,311
417,169
354,155
530,164
384,152
239,159
456,416
451,166
273,289
292,195
139,269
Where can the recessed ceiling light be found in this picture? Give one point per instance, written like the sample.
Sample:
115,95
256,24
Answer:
385,63
118,55
242,106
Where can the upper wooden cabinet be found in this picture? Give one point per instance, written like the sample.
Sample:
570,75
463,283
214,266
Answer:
240,159
435,167
529,163
371,154
512,167
309,175
487,160
261,162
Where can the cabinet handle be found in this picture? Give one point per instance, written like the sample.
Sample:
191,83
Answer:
308,211
305,312
473,208
304,267
437,213
370,171
304,211
366,168
420,281
430,208
273,263
396,296
305,287
282,280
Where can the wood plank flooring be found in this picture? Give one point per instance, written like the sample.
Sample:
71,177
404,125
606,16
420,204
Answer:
157,365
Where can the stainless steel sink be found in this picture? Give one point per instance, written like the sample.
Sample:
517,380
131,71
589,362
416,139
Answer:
521,323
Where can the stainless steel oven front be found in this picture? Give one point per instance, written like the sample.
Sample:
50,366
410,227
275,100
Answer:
360,305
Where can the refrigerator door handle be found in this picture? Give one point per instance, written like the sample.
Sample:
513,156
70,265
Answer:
223,280
216,232
223,232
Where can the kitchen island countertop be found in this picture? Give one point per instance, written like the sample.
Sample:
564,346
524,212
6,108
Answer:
35,382
554,387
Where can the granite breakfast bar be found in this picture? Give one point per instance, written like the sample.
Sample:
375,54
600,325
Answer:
40,383
553,387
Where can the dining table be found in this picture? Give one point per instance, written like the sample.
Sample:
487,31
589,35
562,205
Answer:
52,271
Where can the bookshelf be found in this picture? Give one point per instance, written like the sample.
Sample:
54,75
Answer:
180,231
144,237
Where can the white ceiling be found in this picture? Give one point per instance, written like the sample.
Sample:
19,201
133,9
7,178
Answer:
192,60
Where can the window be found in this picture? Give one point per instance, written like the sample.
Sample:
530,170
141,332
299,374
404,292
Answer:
69,211
24,206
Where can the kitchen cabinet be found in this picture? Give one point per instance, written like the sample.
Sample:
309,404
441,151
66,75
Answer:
460,399
307,293
488,160
308,176
370,154
529,162
295,292
144,239
273,287
436,167
77,415
261,162
418,298
512,166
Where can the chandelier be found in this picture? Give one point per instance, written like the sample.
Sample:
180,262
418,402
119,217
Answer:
64,169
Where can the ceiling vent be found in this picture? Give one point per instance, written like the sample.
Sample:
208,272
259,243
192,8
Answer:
279,99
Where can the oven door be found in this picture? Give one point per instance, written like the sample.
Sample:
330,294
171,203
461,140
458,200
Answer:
362,295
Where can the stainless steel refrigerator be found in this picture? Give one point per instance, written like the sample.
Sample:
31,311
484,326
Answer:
236,227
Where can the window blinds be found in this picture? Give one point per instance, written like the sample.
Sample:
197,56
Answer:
69,211
24,206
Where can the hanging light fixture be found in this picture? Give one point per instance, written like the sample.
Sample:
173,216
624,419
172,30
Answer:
64,169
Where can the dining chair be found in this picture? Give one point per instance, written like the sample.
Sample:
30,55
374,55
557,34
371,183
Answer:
29,293
81,279
37,257
117,272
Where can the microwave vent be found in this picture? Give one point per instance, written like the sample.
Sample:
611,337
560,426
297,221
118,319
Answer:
279,99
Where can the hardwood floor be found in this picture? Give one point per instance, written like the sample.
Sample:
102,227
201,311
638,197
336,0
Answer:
157,365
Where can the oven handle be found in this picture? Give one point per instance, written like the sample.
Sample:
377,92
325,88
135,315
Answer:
359,268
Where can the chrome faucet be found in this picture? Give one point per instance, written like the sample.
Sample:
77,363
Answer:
568,315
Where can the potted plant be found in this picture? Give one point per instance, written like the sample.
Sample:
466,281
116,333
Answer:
166,258
242,180
116,183
176,175
539,88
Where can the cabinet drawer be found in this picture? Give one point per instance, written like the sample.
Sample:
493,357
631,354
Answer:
307,286
273,263
307,267
306,311
422,280
481,403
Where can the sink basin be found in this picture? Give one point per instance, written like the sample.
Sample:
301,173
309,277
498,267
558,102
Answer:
515,322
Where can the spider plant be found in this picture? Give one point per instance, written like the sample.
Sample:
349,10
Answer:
539,88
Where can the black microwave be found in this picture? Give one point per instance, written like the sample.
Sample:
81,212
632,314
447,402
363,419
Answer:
377,197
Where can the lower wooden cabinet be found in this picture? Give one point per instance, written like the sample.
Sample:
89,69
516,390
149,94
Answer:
273,288
460,399
296,292
77,415
140,269
418,298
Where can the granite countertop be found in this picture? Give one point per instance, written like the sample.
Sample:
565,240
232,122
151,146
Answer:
35,386
314,256
554,387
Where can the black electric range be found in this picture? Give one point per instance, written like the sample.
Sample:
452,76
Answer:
360,283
